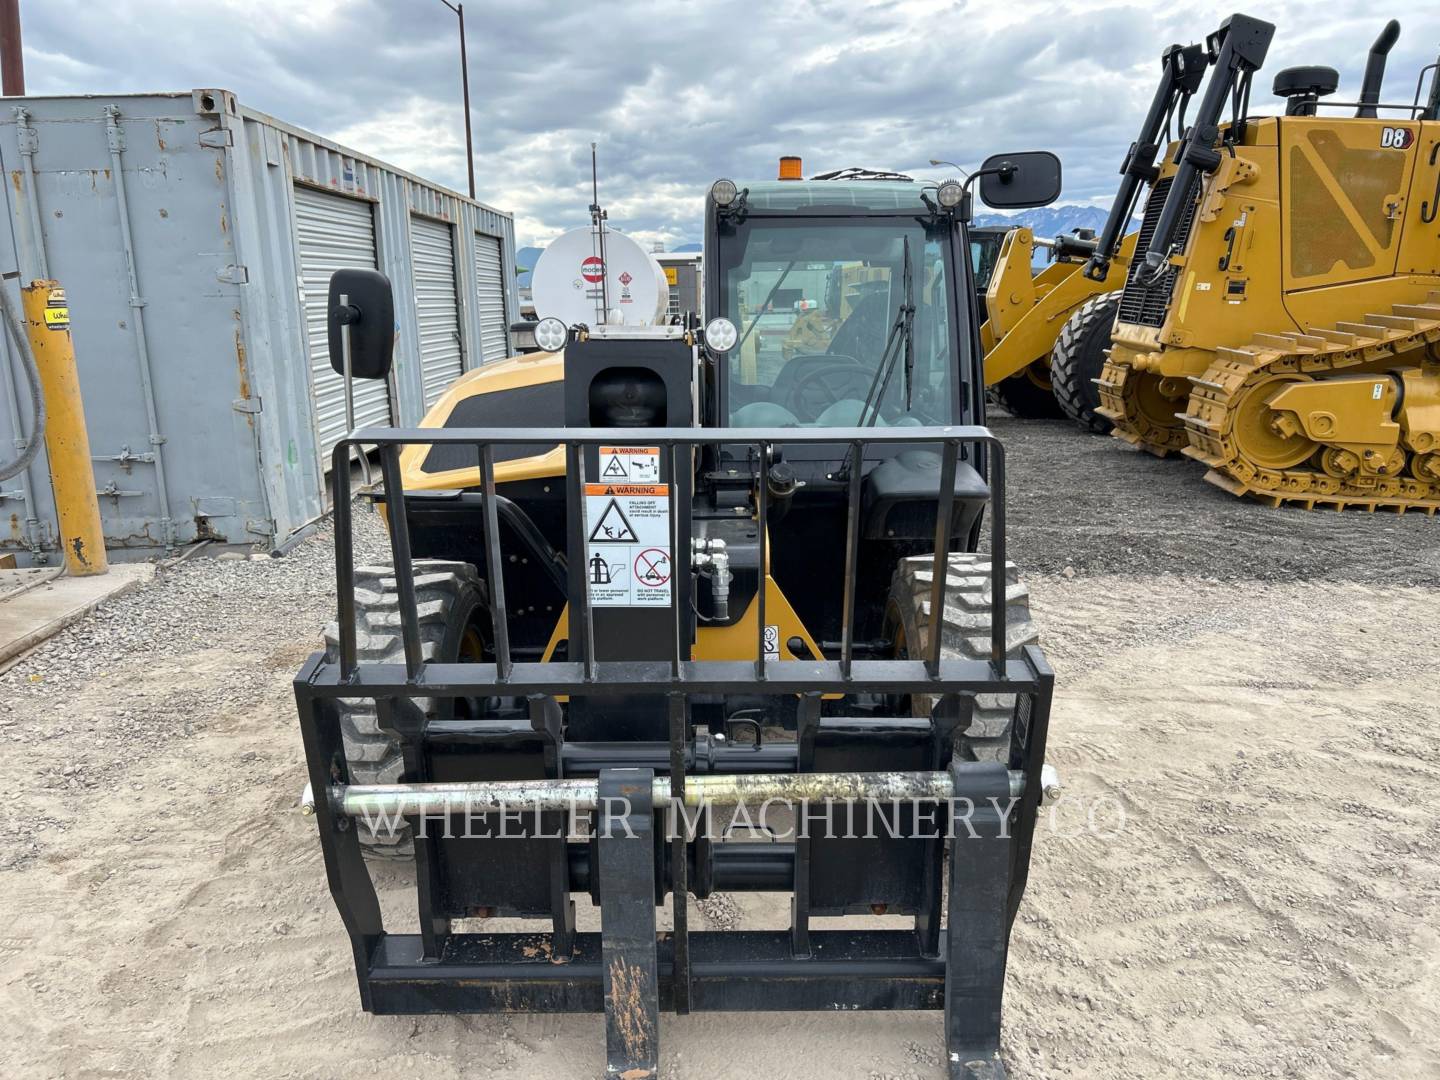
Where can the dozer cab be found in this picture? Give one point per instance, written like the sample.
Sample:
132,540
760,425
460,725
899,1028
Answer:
655,578
1281,318
1046,335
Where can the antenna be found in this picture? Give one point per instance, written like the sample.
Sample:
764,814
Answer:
597,222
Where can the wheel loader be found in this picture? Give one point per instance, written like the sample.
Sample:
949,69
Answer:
651,577
1280,321
1046,334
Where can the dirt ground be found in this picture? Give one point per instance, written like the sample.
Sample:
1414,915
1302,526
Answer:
1242,879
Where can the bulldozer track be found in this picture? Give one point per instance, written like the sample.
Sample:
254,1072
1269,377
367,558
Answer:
1121,390
1348,347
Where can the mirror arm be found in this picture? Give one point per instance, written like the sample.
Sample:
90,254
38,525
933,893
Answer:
967,198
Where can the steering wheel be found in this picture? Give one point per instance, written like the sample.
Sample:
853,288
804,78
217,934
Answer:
822,386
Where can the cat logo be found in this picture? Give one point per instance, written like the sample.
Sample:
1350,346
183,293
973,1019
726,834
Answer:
1396,138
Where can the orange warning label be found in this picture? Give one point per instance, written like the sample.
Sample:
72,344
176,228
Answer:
627,489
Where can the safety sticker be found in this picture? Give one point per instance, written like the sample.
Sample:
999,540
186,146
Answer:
772,642
627,531
632,464
57,310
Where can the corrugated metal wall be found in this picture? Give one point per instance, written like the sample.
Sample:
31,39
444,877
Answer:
442,360
490,285
334,232
234,218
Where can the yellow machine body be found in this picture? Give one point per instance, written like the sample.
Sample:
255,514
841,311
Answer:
1025,313
1295,351
735,641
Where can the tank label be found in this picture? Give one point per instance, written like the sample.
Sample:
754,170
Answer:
627,530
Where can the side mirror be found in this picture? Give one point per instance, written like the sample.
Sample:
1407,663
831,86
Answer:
368,311
1020,181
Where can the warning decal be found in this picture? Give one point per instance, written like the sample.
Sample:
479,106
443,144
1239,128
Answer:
627,529
613,526
636,464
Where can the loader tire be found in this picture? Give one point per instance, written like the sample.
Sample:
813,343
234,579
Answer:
965,634
451,602
1026,395
1078,359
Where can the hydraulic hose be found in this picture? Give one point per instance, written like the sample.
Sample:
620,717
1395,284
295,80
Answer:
15,327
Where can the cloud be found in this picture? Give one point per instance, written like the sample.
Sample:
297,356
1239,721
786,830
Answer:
680,93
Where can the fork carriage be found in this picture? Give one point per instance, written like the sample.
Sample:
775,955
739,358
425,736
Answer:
623,744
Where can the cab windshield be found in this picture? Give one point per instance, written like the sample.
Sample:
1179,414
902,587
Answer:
819,305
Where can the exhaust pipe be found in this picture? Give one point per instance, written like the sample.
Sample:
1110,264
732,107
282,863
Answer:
1375,69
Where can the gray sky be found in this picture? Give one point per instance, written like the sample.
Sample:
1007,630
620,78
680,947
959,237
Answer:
678,93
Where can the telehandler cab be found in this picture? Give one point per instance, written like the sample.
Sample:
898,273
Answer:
654,575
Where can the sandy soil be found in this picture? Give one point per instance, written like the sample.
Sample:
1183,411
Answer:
1257,896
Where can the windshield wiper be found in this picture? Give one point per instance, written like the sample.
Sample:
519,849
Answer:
765,304
900,342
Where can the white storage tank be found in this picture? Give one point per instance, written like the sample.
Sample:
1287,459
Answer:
571,282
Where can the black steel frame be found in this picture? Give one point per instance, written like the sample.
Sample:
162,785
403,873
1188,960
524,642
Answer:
959,969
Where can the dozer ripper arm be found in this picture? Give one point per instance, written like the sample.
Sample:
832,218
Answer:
1237,50
1182,67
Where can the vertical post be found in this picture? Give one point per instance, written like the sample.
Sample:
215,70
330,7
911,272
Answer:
575,466
762,537
998,598
676,538
852,555
499,623
47,324
978,924
344,557
625,843
350,390
459,10
12,56
400,550
679,867
465,88
941,568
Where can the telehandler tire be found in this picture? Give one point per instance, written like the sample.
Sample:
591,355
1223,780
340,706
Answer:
965,635
1027,394
453,610
1078,359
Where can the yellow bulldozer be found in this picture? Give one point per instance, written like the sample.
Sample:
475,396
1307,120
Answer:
1280,320
1046,334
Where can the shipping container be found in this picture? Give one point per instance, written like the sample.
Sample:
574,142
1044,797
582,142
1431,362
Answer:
195,238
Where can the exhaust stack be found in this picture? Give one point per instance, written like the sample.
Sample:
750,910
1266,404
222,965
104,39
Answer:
1375,69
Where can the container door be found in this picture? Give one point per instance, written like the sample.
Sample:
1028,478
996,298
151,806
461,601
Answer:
334,233
432,252
490,285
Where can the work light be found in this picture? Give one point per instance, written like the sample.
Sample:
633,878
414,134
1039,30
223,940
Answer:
723,192
720,334
550,334
950,193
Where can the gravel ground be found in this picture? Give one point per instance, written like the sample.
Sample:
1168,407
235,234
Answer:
1246,703
1099,506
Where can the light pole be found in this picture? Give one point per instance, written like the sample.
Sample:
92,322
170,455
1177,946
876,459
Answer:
12,60
963,172
459,10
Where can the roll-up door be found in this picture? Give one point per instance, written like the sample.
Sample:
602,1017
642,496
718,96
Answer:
432,252
490,285
334,233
